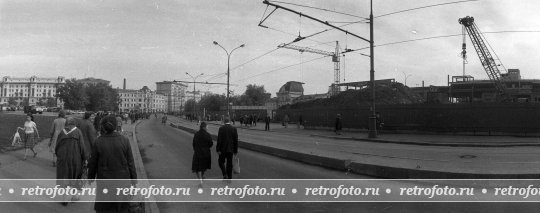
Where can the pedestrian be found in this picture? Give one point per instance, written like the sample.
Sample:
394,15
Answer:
227,146
97,120
30,133
202,142
125,117
267,123
112,158
286,120
255,119
338,126
57,126
88,131
378,120
71,157
118,123
300,122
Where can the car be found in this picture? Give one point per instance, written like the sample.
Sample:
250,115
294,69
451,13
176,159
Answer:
53,109
30,109
39,109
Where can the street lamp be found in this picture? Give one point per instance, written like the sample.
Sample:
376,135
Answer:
406,76
194,79
228,71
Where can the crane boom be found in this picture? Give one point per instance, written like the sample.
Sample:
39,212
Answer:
486,59
335,59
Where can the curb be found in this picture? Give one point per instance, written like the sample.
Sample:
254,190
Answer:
471,144
150,206
363,168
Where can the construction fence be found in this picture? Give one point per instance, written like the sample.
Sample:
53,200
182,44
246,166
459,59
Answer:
516,118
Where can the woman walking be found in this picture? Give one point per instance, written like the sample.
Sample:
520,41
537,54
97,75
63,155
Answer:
57,127
30,132
71,155
112,159
202,142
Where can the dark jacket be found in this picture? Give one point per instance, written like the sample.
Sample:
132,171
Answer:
112,159
227,140
89,134
71,155
338,125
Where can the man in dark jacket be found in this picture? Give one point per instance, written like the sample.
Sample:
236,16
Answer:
227,146
88,131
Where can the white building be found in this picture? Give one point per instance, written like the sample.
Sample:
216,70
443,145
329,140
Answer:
175,94
143,100
31,89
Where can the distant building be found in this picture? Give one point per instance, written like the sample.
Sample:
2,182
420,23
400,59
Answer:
288,92
174,92
30,90
471,90
93,81
143,100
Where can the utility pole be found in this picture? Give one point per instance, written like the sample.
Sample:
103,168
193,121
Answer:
372,120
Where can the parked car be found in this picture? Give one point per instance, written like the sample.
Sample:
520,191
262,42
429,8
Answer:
30,109
53,109
39,109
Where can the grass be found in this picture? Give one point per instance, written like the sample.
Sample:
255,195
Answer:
9,122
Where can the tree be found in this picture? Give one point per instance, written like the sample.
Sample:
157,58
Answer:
73,95
12,101
212,102
189,106
51,102
102,97
254,96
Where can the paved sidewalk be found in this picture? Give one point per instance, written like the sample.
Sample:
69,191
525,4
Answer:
402,158
399,138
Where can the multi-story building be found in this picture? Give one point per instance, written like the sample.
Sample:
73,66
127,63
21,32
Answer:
143,100
175,94
30,91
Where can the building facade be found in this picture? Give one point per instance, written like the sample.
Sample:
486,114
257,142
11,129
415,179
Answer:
174,93
30,91
288,92
143,100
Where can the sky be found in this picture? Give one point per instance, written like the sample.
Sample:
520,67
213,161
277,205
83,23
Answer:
147,41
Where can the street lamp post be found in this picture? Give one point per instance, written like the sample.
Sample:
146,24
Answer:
372,120
228,72
194,82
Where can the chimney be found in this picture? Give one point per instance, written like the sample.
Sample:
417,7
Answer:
124,83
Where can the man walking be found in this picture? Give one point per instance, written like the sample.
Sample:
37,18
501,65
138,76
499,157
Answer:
267,123
227,146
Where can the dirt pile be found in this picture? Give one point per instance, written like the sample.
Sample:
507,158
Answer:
394,93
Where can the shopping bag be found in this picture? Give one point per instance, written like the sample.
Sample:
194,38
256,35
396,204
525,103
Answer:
17,141
236,165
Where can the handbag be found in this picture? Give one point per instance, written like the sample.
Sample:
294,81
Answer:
236,165
16,141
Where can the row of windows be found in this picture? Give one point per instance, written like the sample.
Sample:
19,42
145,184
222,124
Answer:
26,86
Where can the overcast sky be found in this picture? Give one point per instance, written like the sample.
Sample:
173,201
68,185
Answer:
147,41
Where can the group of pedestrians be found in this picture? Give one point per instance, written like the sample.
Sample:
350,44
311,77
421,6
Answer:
226,149
82,151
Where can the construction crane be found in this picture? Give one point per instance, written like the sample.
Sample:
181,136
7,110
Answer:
488,61
335,58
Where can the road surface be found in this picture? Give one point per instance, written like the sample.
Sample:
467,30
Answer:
167,154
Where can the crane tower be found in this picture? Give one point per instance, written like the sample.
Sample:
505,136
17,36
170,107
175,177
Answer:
486,58
335,58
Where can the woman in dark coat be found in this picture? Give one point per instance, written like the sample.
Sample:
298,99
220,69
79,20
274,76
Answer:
112,159
71,154
202,142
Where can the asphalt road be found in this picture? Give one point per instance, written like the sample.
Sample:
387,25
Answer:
167,154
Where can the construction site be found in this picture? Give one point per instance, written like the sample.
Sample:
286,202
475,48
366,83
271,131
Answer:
505,103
